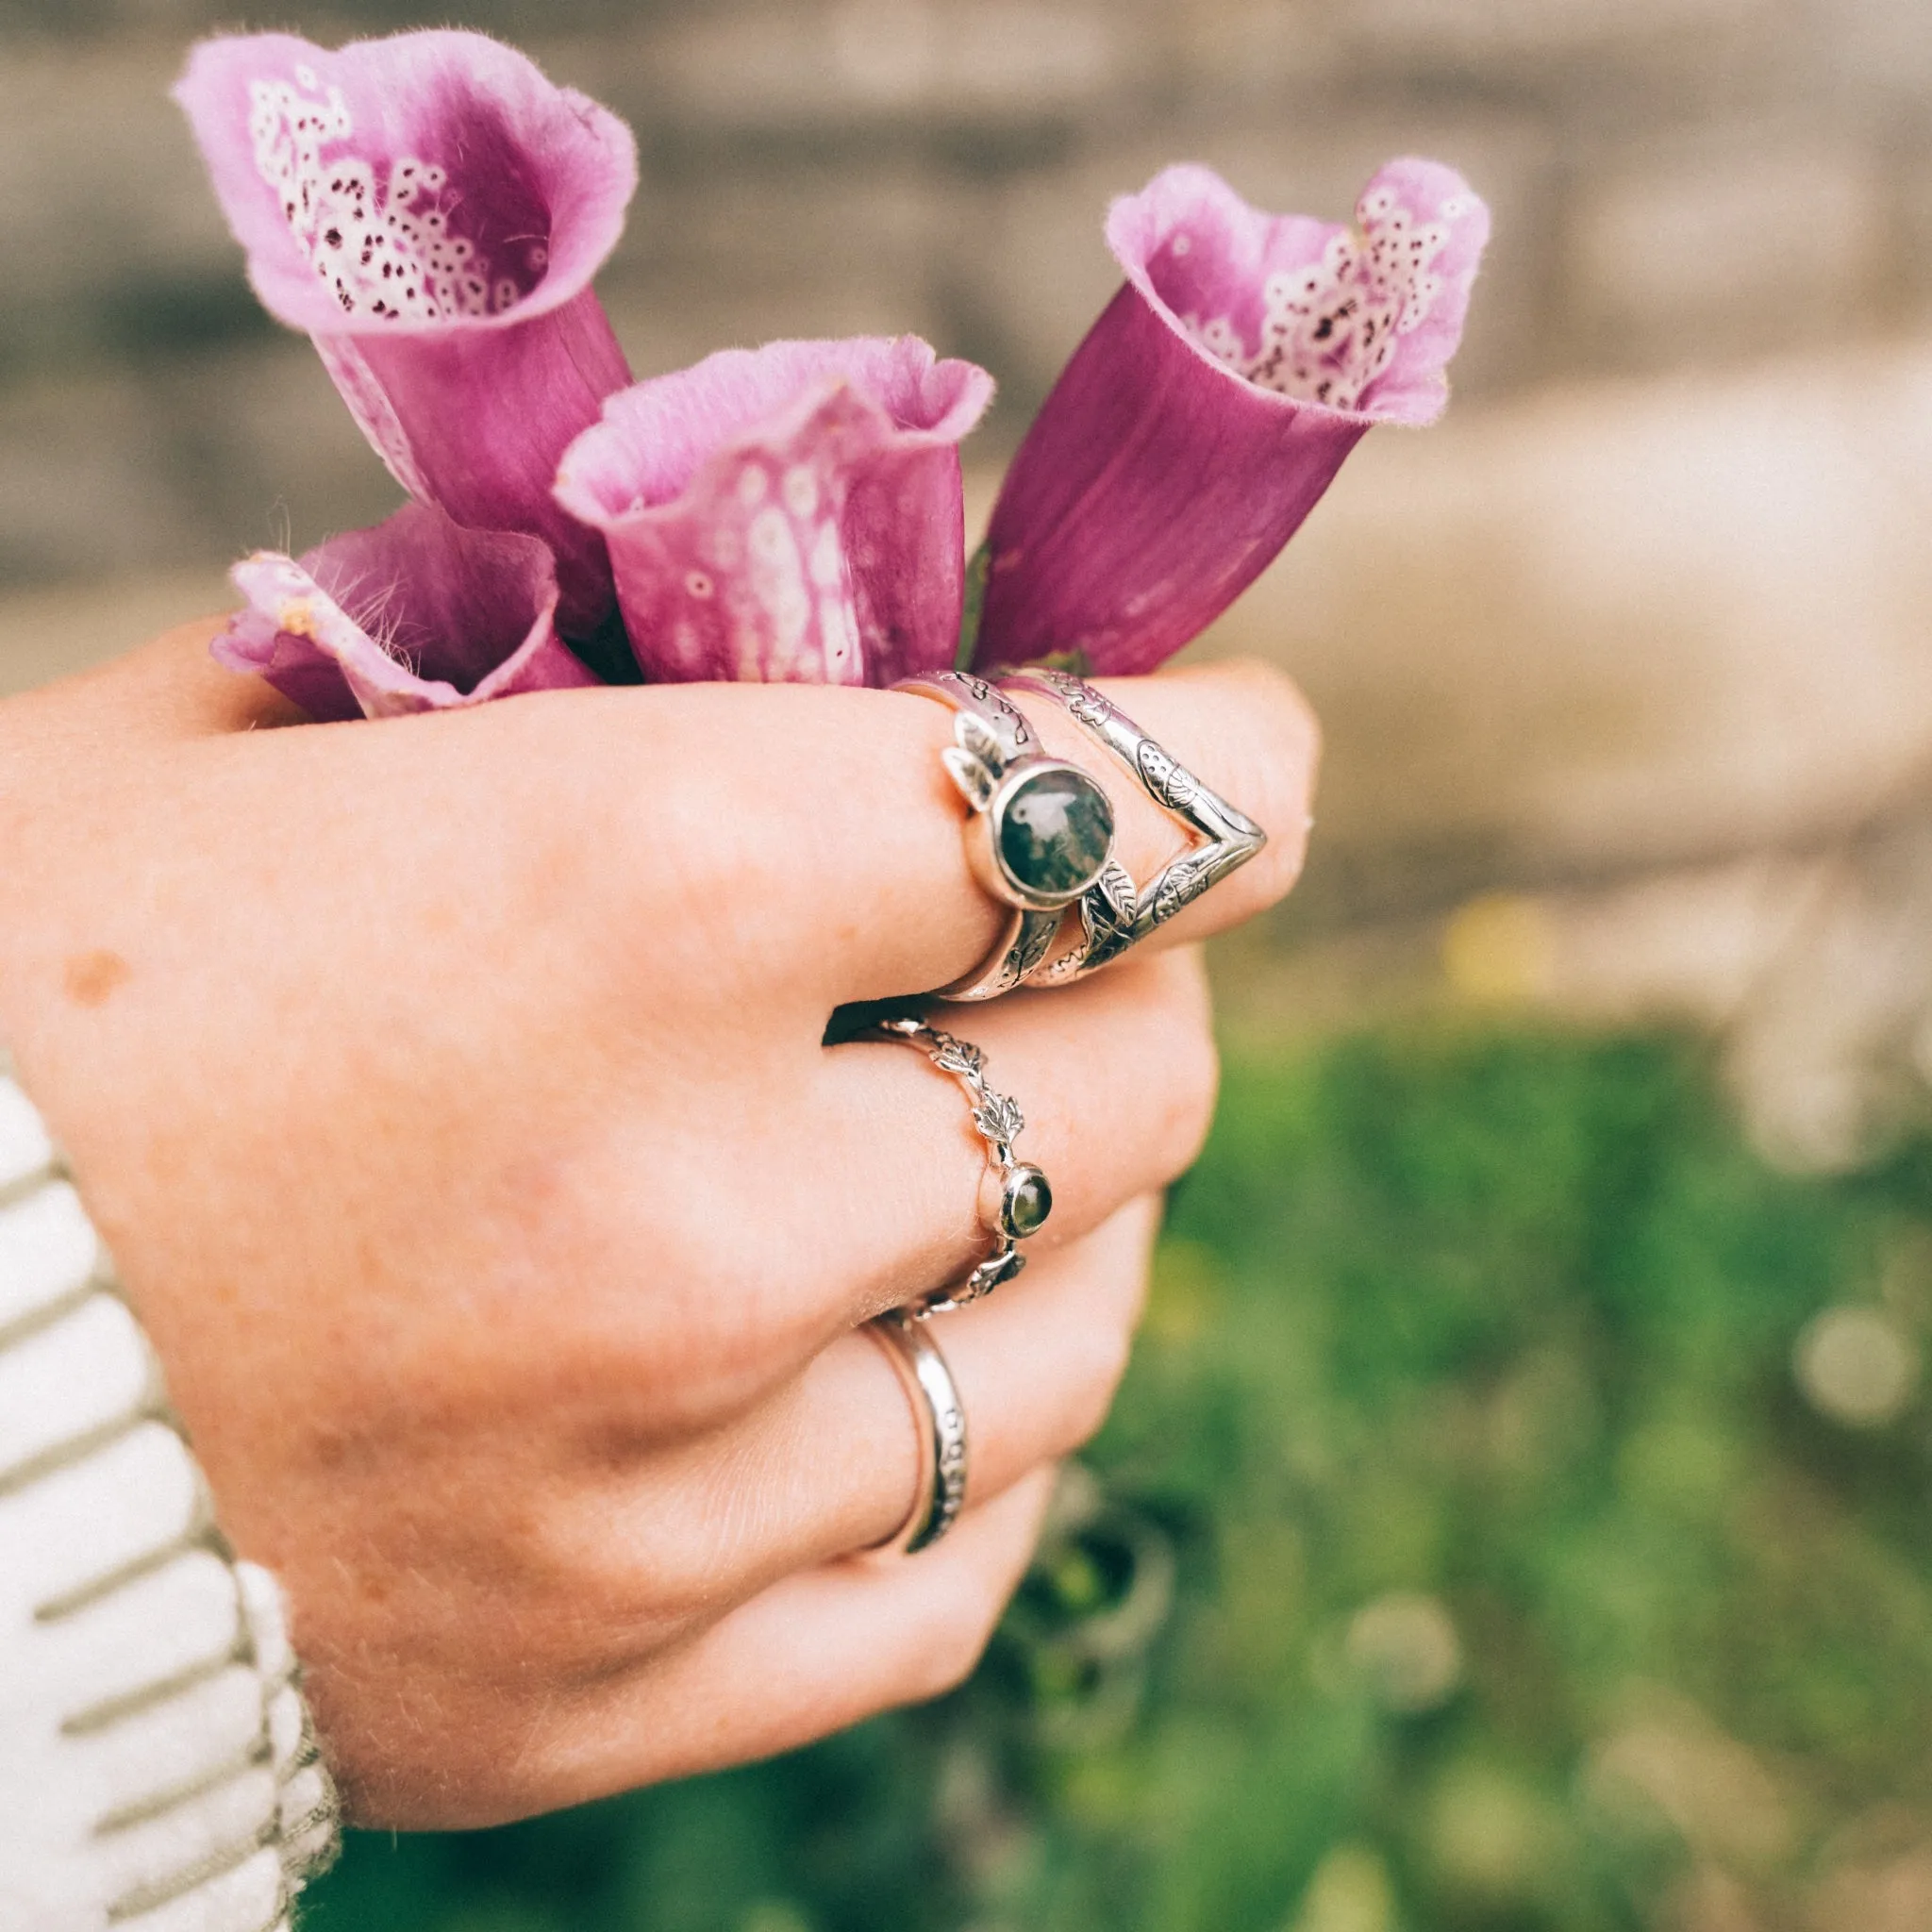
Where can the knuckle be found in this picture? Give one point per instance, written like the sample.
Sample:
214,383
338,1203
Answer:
686,1312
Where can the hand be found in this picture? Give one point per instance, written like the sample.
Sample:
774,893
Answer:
451,1093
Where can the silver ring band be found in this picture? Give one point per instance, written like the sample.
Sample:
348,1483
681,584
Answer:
1025,1194
941,1417
1115,913
1024,941
1038,830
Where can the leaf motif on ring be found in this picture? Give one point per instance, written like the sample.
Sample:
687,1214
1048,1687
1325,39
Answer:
953,1055
973,775
999,1118
1035,943
1114,890
989,1275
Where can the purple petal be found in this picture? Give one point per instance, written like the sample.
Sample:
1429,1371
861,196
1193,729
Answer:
431,211
417,614
791,513
1213,402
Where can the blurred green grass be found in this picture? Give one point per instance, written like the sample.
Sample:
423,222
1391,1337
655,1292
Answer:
1515,1582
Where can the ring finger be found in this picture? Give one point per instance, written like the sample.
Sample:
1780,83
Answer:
832,1464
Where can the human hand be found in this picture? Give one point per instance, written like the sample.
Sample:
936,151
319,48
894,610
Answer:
451,1093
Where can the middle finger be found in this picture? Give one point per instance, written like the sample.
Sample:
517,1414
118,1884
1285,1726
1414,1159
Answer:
1116,1077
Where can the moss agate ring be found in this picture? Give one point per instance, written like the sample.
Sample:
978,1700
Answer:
1115,912
1026,1199
1038,830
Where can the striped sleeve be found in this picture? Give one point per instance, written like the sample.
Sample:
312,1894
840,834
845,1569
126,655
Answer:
158,1771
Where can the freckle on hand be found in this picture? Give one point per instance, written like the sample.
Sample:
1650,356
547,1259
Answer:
92,978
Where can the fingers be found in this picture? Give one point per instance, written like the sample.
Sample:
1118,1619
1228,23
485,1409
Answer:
872,1189
1116,1078
1242,729
688,1577
810,1656
780,850
806,843
1036,1365
832,1463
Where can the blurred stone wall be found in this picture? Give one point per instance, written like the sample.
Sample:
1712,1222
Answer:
1675,182
1656,591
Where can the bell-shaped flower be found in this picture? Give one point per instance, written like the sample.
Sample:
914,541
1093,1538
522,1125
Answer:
417,614
1212,402
430,210
791,513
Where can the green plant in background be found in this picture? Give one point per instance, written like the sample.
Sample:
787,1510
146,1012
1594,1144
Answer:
1514,1518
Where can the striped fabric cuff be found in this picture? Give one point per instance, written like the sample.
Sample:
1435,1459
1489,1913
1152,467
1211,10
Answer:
158,1769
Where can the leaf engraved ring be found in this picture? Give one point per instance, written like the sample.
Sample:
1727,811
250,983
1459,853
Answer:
1026,1198
941,1417
1115,913
1039,831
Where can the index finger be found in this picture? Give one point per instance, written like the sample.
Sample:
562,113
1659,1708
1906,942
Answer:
886,895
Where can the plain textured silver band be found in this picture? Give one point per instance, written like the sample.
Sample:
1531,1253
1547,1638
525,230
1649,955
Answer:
1115,913
1025,941
941,1419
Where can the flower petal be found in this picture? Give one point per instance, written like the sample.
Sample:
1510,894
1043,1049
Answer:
431,211
1213,402
417,614
787,513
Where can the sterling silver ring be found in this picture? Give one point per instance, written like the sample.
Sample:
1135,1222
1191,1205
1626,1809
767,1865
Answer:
941,1417
1038,830
1025,1196
1115,913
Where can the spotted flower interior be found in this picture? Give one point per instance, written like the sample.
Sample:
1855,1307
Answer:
393,235
430,210
406,184
1312,311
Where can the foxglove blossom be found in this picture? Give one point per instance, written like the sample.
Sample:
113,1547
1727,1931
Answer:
1213,402
787,513
417,614
430,210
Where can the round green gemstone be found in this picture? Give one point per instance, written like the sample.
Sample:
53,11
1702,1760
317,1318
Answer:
1056,833
1028,1202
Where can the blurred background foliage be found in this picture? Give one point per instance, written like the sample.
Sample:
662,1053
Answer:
1514,1518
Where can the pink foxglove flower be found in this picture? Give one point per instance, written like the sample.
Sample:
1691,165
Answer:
789,513
430,210
1213,402
417,614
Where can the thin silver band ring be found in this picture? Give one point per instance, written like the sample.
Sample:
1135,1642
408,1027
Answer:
941,1418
